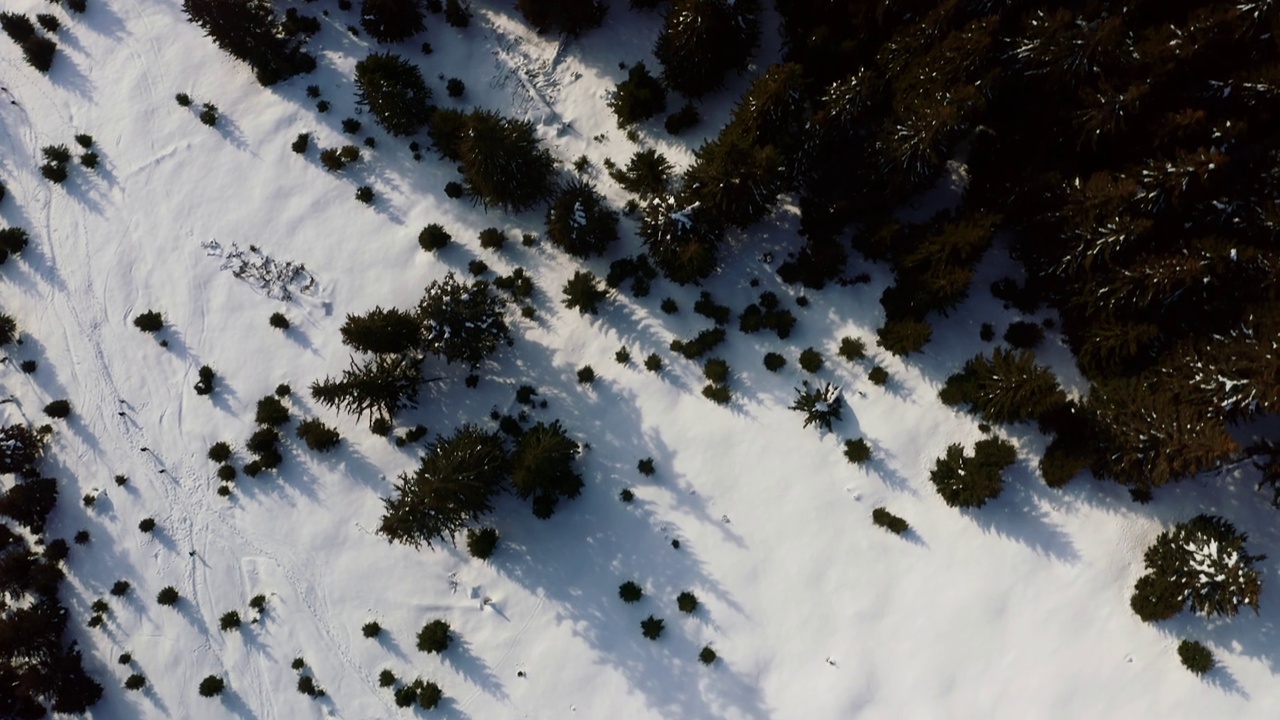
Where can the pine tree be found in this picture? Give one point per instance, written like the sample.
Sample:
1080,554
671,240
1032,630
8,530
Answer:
972,480
702,41
1007,388
29,502
580,221
570,17
681,238
394,91
250,31
381,387
382,331
734,181
455,484
390,21
542,467
462,322
20,448
638,98
503,163
1202,562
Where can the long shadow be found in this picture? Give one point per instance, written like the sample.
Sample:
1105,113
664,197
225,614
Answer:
1019,516
461,658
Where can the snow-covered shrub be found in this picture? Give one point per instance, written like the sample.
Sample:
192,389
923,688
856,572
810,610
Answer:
1201,562
435,637
463,322
821,406
971,481
1195,656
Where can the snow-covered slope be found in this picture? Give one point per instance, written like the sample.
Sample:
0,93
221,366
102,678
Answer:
1016,610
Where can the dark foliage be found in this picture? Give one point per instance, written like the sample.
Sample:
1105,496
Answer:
433,237
381,331
652,627
630,592
317,435
568,17
542,467
482,542
889,521
1196,657
435,637
821,406
454,484
251,31
212,686
462,322
1007,388
638,98
972,480
584,293
393,90
702,41
580,221
389,21
1202,562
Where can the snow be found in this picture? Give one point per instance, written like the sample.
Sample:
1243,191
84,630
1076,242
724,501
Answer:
1016,610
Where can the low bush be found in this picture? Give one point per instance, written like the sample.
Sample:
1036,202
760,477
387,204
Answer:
622,356
433,237
318,436
271,412
889,521
773,362
183,99
492,238
168,596
209,114
852,349
707,656
1024,335
227,473
136,681
229,621
58,409
39,52
364,194
857,451
811,360
150,321
717,393
147,525
586,375
821,406
652,627
120,587
970,481
482,542
455,87
350,126
716,370
630,592
434,637
878,375
220,452
386,678
301,143
687,602
686,118
212,686
1195,656
204,385
646,467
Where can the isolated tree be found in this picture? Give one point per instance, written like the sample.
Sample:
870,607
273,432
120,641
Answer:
584,293
462,322
250,31
390,21
435,637
638,98
1202,562
454,484
702,41
503,163
580,221
382,331
542,467
821,406
393,90
380,386
570,17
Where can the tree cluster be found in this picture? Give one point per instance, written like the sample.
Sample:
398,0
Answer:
250,30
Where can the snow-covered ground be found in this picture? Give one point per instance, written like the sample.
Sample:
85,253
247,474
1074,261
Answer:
1019,609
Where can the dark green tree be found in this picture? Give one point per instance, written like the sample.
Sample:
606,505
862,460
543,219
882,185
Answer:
503,163
1203,562
569,17
972,480
542,467
381,386
249,30
682,239
702,41
1007,388
638,98
390,21
580,221
455,484
393,90
382,332
462,322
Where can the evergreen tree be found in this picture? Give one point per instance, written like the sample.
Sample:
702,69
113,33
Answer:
570,17
462,322
1007,388
702,41
638,98
20,448
681,238
382,331
970,481
735,181
503,163
1202,562
29,502
647,174
394,91
381,387
391,20
250,31
455,484
542,467
580,221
